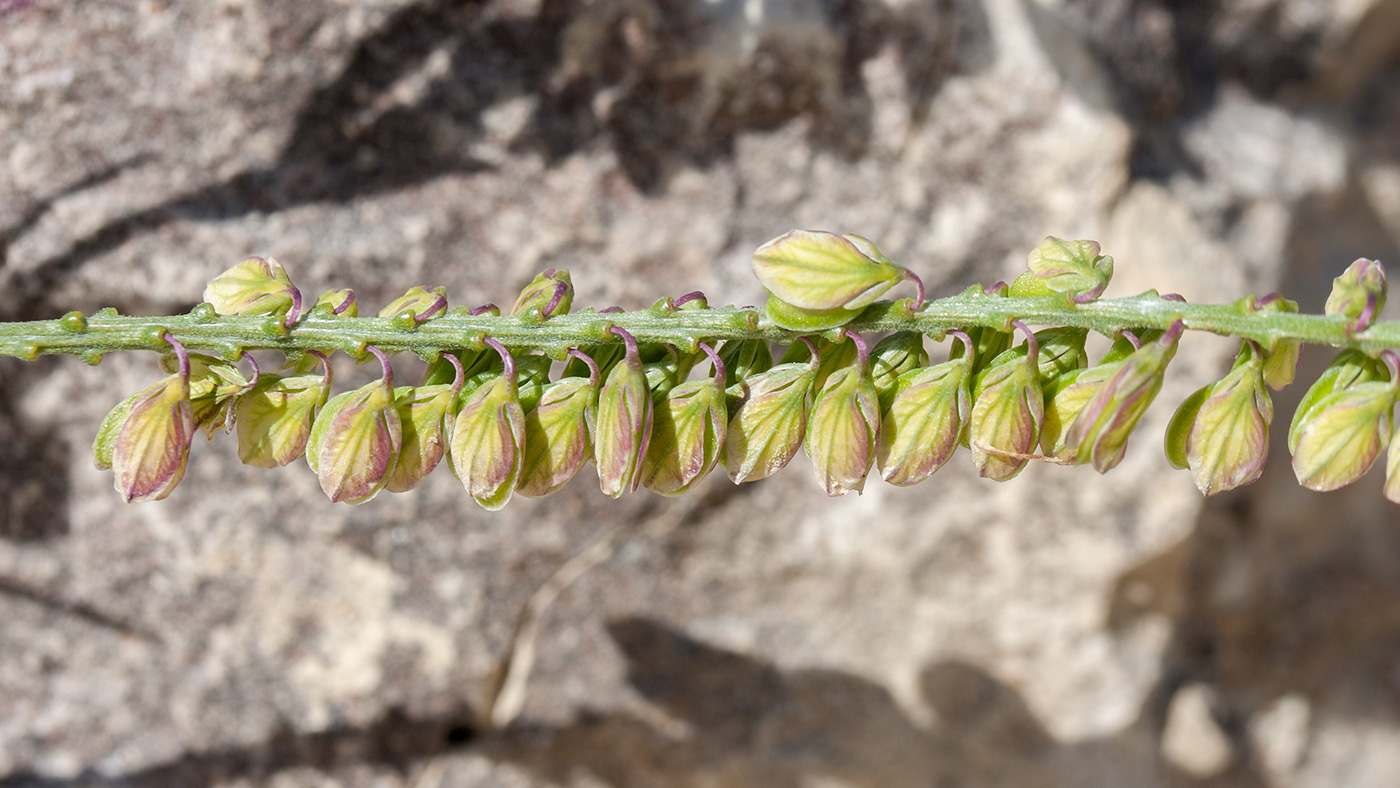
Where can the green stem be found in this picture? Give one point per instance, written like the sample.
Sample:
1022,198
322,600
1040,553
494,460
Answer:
203,330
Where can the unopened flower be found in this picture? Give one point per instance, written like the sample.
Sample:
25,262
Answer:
426,416
844,430
924,423
1074,268
1280,357
488,438
1340,430
823,280
1099,433
274,419
623,423
145,440
557,439
1222,431
1358,294
1007,410
687,433
341,302
896,354
255,286
356,438
550,293
767,427
420,302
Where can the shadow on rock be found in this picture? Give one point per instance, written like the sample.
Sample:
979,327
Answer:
733,720
663,83
394,740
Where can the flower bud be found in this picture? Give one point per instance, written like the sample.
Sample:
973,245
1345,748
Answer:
426,418
1007,411
1280,357
687,434
355,440
896,354
923,425
822,280
256,286
550,293
1349,369
1099,433
844,430
1075,268
274,419
1065,397
1343,436
341,302
766,429
145,440
1358,294
557,442
419,302
623,423
488,438
1222,431
744,358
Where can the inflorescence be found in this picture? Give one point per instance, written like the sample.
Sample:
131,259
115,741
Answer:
521,403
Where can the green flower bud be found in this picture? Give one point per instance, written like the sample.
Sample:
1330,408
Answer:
419,302
1099,433
425,414
1340,430
1065,397
924,423
274,419
355,440
744,358
822,280
256,286
1349,369
145,439
341,302
1358,294
896,354
1344,436
623,423
1075,268
767,426
550,293
1222,431
488,438
844,430
1007,411
557,441
687,433
1281,357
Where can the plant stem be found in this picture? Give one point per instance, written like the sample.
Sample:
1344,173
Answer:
202,329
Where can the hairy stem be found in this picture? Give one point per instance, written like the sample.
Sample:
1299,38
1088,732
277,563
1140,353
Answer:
203,330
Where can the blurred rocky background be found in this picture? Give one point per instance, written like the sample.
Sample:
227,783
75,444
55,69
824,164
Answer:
1063,629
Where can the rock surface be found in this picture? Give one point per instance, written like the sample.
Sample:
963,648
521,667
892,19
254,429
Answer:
1062,629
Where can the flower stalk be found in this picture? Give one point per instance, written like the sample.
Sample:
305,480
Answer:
499,405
